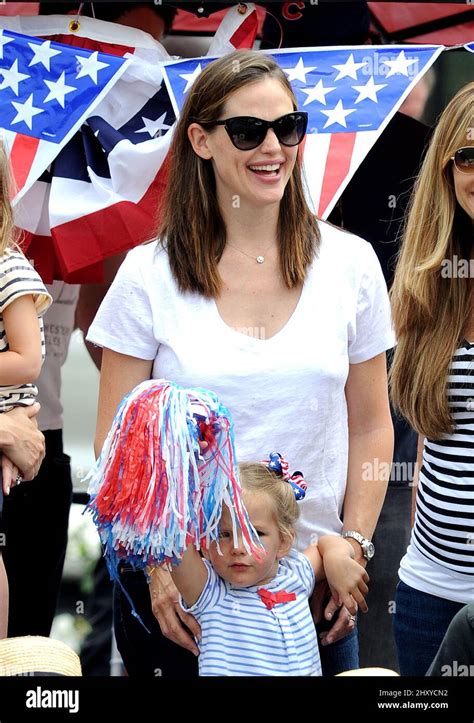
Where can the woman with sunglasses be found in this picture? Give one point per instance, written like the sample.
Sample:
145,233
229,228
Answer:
285,318
432,386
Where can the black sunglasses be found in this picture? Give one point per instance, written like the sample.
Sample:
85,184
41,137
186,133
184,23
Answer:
247,132
464,159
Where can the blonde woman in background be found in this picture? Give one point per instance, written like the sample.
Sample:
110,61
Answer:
432,385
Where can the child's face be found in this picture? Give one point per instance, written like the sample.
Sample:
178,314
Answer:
235,565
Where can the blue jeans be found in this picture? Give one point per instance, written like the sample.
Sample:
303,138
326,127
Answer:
341,655
420,623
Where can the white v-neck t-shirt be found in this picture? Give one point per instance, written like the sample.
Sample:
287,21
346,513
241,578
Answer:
285,393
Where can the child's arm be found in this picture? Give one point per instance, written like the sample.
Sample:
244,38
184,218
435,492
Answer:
21,364
344,575
316,560
332,557
190,576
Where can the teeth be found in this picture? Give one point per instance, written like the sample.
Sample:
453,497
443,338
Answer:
274,167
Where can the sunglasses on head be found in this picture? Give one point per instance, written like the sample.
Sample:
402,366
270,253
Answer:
464,159
247,132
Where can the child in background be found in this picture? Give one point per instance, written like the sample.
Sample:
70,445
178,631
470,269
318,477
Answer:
23,301
254,614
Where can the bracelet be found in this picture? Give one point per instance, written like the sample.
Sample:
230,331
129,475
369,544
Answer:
150,569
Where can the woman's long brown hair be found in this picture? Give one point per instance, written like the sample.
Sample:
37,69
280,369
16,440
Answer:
192,227
430,312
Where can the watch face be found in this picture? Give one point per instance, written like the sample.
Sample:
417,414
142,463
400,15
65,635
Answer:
369,551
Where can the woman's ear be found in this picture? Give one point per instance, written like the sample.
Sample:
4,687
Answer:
198,139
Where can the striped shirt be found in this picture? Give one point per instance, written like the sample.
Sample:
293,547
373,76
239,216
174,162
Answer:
241,636
18,278
444,523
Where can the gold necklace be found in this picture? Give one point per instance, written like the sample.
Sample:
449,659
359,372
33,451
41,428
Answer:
259,259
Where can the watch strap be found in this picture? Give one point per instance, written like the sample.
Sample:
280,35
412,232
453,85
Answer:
364,542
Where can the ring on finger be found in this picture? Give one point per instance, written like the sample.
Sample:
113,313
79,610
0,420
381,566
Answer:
18,479
352,618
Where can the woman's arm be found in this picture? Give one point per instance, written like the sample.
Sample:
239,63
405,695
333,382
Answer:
416,476
370,447
21,364
370,456
119,374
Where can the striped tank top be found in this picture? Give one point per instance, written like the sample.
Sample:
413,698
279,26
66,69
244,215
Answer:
444,521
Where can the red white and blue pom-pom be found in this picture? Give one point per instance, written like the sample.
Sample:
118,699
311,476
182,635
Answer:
155,489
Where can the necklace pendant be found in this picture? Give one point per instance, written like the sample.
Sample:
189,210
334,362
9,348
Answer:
260,259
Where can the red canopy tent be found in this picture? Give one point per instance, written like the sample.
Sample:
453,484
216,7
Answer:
9,8
190,22
433,23
436,23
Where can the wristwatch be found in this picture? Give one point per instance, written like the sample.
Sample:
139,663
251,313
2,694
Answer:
368,548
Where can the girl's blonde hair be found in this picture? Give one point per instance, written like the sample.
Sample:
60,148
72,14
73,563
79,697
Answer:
256,477
7,234
430,312
192,227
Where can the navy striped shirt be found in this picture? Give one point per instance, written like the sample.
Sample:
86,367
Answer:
444,523
241,636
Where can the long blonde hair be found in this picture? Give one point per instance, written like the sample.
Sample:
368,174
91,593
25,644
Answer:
7,233
192,222
429,311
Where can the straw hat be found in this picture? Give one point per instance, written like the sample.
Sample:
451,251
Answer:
369,672
35,655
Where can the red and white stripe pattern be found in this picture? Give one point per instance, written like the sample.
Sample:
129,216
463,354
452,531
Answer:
238,30
31,155
73,223
329,162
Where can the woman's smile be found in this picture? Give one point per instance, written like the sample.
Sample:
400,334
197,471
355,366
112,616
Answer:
267,171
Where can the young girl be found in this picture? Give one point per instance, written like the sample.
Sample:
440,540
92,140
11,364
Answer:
254,614
23,301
